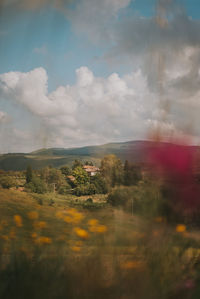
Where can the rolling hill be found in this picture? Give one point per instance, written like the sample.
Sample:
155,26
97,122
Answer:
134,151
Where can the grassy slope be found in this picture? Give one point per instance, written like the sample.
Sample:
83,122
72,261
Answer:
133,258
15,202
122,227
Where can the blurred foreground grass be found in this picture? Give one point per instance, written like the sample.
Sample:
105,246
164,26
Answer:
54,247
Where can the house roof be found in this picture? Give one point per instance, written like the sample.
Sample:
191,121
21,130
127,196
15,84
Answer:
71,178
90,168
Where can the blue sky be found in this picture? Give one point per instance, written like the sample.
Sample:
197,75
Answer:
62,50
63,42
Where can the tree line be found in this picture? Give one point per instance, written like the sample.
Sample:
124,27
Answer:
75,179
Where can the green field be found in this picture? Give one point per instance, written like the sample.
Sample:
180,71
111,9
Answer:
53,246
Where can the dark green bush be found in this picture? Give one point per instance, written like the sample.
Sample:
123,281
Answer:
121,196
36,186
146,199
89,200
101,187
7,182
65,189
83,190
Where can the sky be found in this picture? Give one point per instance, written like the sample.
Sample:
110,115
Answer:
86,72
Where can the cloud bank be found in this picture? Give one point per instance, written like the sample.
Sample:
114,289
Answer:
93,110
96,110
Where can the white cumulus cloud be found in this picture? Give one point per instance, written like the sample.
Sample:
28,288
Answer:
93,110
96,110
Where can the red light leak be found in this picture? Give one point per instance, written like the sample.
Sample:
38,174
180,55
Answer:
174,164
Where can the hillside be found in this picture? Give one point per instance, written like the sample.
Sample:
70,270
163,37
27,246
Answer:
134,151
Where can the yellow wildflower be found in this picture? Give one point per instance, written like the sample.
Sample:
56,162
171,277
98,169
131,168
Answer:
81,233
59,215
93,222
180,228
77,217
71,211
40,224
34,235
97,228
33,215
44,240
18,220
101,229
132,265
76,248
68,219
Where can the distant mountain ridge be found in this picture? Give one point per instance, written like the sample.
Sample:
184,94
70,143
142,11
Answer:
134,151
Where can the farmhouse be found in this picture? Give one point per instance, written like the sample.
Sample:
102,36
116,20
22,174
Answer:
91,170
71,178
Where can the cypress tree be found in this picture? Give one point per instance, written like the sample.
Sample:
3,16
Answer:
29,174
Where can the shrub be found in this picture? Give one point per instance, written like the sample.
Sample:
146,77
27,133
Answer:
36,186
7,182
51,202
82,190
81,176
121,196
101,187
145,199
29,174
112,170
132,174
150,202
64,189
89,200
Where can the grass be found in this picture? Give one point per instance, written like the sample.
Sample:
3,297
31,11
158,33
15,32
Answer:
64,250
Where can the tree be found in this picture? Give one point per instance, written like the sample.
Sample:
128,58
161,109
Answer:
37,185
56,178
65,170
112,170
44,174
121,196
81,176
89,163
53,178
64,189
132,174
29,174
77,163
100,183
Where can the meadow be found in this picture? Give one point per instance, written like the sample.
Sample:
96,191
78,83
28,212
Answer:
61,246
